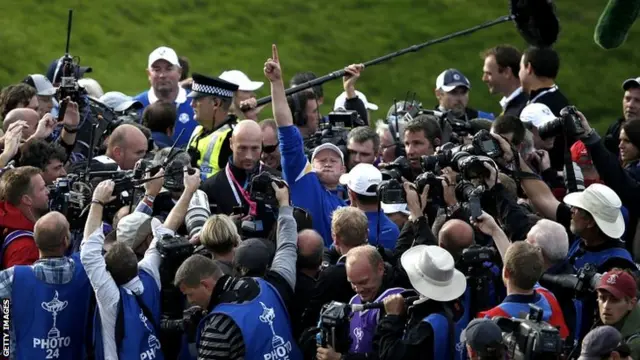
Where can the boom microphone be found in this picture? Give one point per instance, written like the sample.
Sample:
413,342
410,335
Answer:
378,305
536,21
615,22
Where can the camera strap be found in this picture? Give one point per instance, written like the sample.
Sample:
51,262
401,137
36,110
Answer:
233,183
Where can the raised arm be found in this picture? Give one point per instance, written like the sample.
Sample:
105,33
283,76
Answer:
177,214
273,72
284,261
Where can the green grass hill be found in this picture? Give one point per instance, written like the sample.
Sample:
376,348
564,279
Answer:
115,38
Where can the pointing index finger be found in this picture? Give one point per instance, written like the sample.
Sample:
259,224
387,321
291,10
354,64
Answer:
274,53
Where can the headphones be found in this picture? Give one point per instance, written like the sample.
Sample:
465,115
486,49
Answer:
400,150
298,109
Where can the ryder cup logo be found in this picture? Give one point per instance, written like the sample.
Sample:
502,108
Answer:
358,333
54,342
281,349
183,118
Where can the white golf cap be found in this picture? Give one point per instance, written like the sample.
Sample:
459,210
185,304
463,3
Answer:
342,98
163,53
536,114
239,78
42,85
395,208
328,146
604,206
363,179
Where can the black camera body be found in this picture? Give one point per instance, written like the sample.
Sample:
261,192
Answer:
261,190
582,284
482,144
568,122
530,338
334,326
392,192
476,255
346,119
467,192
397,169
436,190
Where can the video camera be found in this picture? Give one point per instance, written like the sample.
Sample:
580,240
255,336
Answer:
335,132
69,70
174,250
476,255
583,283
568,122
530,338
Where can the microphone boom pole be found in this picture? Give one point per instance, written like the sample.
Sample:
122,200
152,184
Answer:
339,73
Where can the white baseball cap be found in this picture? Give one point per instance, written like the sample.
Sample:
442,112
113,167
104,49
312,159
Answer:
363,179
239,78
604,206
326,146
342,98
536,114
41,83
163,53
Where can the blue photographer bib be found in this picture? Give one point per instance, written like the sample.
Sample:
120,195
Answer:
582,257
264,324
140,338
441,339
50,320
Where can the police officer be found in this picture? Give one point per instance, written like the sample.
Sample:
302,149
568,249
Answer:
430,320
50,313
209,144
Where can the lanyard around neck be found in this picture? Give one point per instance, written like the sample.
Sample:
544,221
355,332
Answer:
233,183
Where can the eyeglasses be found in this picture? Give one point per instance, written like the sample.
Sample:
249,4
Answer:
269,148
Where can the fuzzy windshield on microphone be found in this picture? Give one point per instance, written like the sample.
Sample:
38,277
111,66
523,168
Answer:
615,22
536,21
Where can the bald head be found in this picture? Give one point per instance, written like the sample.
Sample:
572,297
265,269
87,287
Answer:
455,236
29,115
51,234
310,249
246,144
126,145
365,269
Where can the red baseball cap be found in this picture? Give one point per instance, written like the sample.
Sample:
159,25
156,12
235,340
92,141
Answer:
618,283
580,155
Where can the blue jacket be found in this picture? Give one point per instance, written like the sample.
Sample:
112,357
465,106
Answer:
389,231
184,119
50,320
161,139
306,190
264,323
140,338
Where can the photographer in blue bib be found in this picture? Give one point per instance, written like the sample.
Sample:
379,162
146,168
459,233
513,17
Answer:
426,328
50,299
247,317
126,323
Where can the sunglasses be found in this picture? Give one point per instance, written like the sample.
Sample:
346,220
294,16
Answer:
269,148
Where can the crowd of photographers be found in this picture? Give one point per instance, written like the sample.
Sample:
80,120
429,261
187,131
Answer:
181,224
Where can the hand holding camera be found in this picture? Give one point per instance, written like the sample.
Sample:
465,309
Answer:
153,187
103,193
191,180
282,193
486,223
415,202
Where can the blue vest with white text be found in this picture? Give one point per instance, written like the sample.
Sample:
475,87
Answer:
264,323
441,341
596,258
50,320
140,339
363,324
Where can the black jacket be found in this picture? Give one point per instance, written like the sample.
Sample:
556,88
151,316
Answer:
555,100
612,137
515,106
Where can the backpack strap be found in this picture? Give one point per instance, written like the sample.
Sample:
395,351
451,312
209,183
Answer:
631,337
119,331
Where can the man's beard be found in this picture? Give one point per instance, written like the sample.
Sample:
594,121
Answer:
40,212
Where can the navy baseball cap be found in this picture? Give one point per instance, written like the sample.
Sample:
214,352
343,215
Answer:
601,342
55,75
482,335
451,79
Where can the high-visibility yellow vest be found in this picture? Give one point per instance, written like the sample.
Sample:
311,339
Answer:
209,148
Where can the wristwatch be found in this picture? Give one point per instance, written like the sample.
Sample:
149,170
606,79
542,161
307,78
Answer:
70,130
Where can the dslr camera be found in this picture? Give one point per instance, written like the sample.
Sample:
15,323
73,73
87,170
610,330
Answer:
261,190
582,283
530,338
483,144
471,195
568,122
